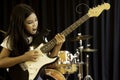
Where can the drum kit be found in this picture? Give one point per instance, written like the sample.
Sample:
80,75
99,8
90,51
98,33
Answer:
69,63
79,58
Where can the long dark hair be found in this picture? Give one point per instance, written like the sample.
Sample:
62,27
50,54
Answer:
16,32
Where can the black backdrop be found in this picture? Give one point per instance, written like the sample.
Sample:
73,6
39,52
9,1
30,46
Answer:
56,15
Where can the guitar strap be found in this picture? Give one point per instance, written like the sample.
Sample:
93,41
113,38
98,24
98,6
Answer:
39,37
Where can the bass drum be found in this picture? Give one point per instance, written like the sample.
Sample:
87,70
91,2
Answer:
54,74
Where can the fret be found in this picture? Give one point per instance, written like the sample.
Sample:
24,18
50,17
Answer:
75,25
48,46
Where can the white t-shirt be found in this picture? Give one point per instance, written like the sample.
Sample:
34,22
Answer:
6,42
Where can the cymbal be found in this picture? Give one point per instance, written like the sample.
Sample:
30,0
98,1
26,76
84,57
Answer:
89,50
81,37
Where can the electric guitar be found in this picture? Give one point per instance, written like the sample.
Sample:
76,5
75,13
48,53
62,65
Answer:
34,67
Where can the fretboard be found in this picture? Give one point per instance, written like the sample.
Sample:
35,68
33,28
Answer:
48,46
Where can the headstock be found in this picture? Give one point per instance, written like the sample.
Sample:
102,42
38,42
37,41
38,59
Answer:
96,11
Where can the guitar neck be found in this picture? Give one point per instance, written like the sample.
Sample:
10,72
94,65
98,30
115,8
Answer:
75,25
48,46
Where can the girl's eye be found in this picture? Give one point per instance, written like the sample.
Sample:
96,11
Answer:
29,22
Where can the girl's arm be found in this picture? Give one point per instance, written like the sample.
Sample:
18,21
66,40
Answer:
60,39
6,61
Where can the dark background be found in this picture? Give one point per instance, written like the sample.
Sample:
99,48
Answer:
56,15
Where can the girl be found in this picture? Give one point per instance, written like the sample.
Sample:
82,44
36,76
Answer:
23,32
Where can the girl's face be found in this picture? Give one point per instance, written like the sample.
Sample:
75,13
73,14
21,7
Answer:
31,24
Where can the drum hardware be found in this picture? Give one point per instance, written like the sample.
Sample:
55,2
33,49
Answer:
80,71
79,55
81,37
76,58
87,77
79,52
89,49
80,64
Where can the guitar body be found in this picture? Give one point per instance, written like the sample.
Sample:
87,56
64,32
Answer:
34,67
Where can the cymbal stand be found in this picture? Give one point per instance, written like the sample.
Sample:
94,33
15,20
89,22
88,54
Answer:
80,64
81,50
80,74
87,77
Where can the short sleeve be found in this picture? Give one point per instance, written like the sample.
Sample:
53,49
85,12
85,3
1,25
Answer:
6,44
